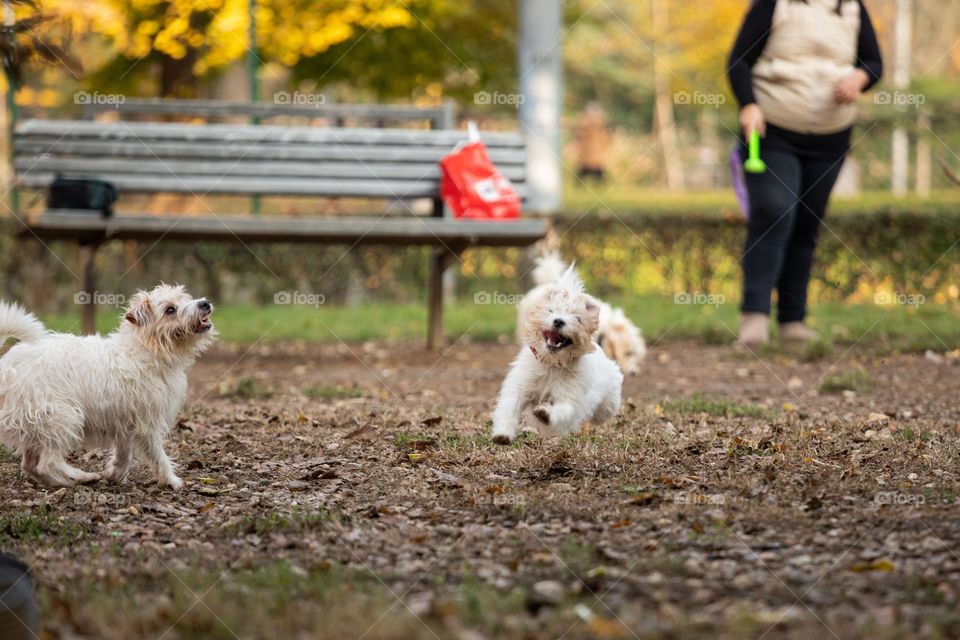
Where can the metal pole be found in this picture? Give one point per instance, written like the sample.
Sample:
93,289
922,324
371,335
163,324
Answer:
9,20
253,80
541,99
253,61
11,129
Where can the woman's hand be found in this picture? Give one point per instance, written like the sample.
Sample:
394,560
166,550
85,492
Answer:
849,88
751,119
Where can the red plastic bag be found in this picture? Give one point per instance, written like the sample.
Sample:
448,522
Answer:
473,188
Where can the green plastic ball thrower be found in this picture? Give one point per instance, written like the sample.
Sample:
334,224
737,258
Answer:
753,163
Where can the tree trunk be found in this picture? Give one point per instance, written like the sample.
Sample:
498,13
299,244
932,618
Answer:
924,159
665,124
902,35
176,77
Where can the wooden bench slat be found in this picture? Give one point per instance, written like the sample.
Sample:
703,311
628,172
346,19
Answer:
107,167
353,229
425,188
136,149
266,186
229,108
257,134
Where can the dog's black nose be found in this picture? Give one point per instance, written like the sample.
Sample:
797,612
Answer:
203,305
559,323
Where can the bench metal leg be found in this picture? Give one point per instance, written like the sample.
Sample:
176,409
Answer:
88,304
440,261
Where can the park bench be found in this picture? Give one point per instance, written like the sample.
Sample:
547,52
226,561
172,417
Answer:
381,115
264,160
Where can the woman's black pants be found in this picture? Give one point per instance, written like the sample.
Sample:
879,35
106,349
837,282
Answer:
787,204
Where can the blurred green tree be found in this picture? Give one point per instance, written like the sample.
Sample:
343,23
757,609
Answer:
447,48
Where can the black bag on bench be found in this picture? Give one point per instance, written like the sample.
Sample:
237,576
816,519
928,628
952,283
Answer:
82,193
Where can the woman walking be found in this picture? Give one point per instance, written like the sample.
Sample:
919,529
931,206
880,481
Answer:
797,69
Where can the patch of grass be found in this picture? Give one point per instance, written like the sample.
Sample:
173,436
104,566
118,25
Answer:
414,441
636,490
715,335
872,327
477,602
816,350
525,439
911,435
332,393
716,532
715,406
579,556
283,600
853,380
633,199
483,440
247,388
924,591
278,600
39,525
268,522
6,455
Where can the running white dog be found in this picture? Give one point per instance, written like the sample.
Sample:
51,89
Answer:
59,391
620,338
561,374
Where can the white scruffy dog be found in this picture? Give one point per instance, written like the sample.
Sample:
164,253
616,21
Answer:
561,374
60,392
620,338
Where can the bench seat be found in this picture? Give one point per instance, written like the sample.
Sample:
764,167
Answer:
437,232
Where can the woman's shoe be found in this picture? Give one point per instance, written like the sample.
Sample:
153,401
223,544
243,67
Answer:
797,332
754,329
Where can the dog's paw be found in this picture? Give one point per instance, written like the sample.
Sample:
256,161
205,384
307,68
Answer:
541,414
502,438
85,477
175,483
115,477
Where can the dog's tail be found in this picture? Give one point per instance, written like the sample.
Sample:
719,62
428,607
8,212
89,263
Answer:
16,322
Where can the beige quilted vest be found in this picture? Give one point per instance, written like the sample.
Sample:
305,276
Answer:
809,49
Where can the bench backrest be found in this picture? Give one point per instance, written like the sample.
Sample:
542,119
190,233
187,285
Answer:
250,159
441,117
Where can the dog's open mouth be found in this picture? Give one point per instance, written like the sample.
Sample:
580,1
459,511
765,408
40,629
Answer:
556,340
203,325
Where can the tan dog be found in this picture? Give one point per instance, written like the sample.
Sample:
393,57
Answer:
620,338
560,376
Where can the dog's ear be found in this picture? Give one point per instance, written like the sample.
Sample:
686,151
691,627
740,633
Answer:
592,319
139,311
593,307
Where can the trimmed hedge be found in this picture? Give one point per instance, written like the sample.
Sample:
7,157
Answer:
861,255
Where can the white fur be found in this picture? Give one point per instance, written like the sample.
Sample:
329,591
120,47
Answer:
563,384
620,338
60,392
16,322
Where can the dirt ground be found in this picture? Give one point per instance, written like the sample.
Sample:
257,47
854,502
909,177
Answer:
353,491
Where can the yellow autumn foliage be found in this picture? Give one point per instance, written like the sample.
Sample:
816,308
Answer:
214,33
